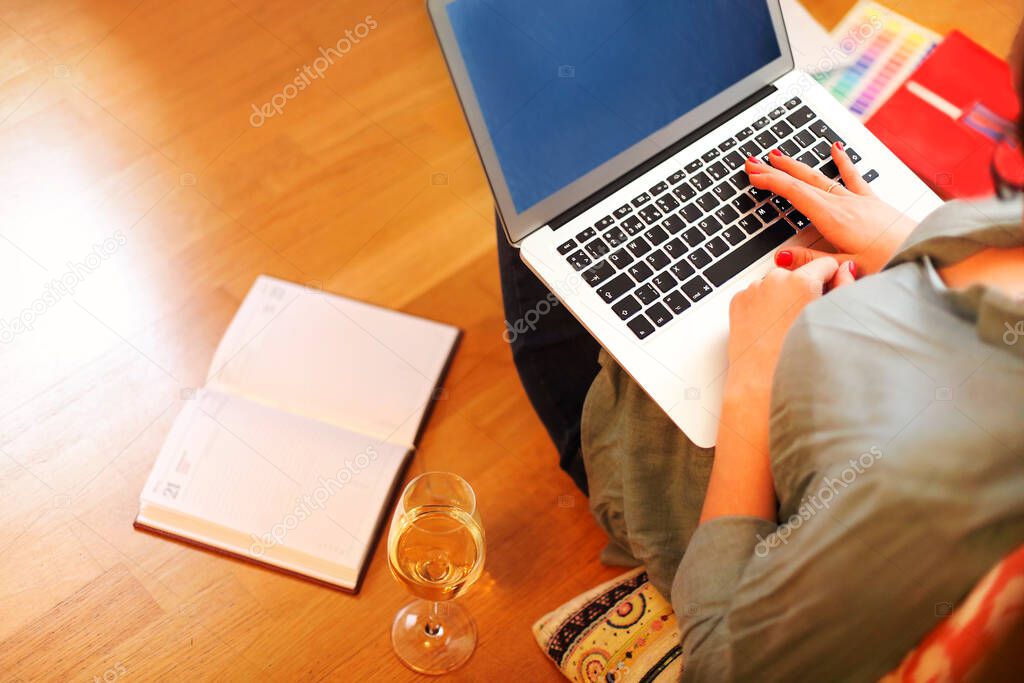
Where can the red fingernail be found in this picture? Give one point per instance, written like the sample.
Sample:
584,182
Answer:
853,268
840,146
776,153
784,259
753,160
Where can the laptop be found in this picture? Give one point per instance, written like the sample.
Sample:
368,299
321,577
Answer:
614,135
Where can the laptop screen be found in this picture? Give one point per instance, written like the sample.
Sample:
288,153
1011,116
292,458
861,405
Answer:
563,88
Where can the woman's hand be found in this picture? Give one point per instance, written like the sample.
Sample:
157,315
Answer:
863,228
761,315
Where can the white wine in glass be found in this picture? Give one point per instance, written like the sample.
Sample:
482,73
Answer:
435,550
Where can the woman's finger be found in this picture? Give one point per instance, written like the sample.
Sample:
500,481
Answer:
808,200
849,173
802,171
819,270
792,258
846,274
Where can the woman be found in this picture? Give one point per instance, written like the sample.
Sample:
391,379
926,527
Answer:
869,468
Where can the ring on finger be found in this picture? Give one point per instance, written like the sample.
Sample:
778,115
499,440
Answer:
833,185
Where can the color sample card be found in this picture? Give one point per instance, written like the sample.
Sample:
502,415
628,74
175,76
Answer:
885,47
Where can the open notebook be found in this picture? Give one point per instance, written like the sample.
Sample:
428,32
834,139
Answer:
290,454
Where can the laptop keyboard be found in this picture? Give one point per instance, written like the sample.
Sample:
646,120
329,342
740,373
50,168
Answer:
671,246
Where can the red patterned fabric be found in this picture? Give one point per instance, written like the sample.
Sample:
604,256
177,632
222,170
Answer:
957,647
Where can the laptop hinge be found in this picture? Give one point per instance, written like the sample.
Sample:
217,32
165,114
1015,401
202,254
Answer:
660,157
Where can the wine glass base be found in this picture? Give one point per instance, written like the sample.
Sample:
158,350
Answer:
446,650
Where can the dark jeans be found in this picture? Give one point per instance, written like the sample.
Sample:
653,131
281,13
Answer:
555,357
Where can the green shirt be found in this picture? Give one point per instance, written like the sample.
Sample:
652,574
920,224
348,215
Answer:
897,450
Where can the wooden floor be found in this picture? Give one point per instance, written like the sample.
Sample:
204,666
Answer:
137,205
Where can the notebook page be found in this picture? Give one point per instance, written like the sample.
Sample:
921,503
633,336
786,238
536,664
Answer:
358,366
278,478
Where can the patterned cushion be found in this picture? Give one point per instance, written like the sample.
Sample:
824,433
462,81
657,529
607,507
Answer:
621,631
624,630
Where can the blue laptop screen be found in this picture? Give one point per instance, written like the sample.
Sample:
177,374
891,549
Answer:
566,85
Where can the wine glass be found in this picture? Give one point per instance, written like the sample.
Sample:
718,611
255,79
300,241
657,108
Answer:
436,550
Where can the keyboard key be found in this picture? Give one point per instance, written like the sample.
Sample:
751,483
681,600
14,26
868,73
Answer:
579,260
798,220
707,202
620,259
710,225
650,214
733,235
745,255
673,224
759,194
632,225
615,288
800,117
870,176
693,166
623,211
665,282
711,155
822,150
741,180
598,274
638,246
750,224
852,153
724,192
640,271
627,307
805,138
691,212
693,237
761,122
767,213
658,260
776,113
766,140
598,248
823,131
641,200
682,270
744,134
830,169
793,103
781,203
727,214
656,235
750,149
699,258
743,203
717,170
674,248
615,237
696,289
684,192
658,189
647,294
586,235
727,145
566,247
782,129
605,222
676,177
659,315
716,247
641,327
734,160
789,148
676,302
701,181
808,158
667,203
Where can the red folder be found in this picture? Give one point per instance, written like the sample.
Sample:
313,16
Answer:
946,120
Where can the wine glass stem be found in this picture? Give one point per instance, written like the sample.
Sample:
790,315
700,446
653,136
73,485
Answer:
433,627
